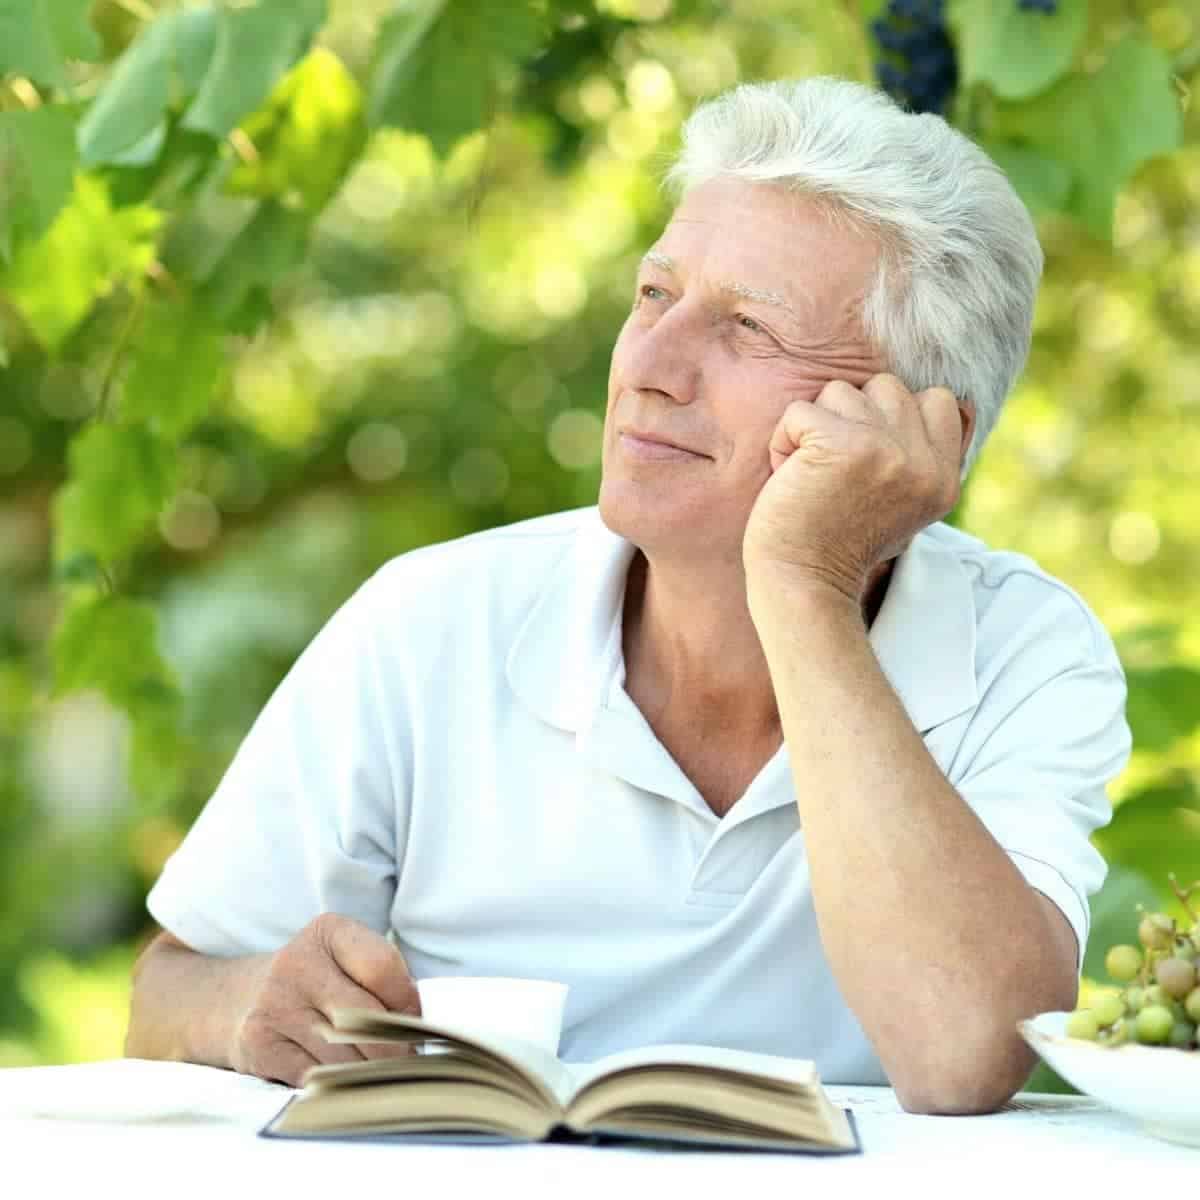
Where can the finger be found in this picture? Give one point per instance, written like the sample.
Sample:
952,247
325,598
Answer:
287,1063
844,399
304,1029
890,396
369,960
347,994
804,425
942,419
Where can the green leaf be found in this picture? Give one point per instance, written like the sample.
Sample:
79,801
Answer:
144,151
38,36
307,136
438,64
1042,183
176,369
119,480
110,643
37,166
1102,127
163,67
82,567
1163,705
157,749
96,639
90,248
1017,52
255,46
239,284
1155,832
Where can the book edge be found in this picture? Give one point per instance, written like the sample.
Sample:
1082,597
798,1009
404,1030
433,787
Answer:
578,1136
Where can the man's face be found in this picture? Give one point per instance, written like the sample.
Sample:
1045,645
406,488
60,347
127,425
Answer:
748,301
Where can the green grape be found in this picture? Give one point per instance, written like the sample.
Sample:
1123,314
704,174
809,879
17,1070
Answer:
1107,1008
1118,1033
1156,931
1181,1035
1135,997
1176,976
1153,1025
1156,994
1184,948
1083,1024
1192,1005
1123,962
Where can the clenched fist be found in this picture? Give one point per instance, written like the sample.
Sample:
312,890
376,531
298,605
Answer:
855,475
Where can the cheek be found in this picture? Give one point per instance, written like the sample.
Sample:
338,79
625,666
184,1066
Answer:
746,462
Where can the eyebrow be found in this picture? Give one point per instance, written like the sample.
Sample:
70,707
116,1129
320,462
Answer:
758,295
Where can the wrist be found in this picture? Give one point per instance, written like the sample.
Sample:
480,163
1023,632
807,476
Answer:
769,582
781,596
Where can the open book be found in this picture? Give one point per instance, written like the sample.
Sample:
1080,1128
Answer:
460,1087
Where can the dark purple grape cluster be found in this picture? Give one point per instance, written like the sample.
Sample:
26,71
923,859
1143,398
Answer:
919,69
1049,7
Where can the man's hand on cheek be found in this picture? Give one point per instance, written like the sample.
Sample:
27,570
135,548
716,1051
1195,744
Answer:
855,475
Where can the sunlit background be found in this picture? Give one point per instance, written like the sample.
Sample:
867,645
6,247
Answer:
436,364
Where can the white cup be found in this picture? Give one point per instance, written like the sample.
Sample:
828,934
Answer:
530,1009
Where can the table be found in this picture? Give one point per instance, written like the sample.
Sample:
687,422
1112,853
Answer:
132,1128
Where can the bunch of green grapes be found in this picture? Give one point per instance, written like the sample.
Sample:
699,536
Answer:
1159,1004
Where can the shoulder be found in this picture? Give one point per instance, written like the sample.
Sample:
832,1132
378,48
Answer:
512,559
469,595
1021,606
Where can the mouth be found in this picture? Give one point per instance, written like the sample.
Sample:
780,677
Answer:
654,446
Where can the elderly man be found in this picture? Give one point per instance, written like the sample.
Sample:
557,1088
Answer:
755,753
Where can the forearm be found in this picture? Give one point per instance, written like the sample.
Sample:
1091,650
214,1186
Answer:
188,1006
936,940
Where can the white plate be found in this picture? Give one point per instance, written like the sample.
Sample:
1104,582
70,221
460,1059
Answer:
1157,1086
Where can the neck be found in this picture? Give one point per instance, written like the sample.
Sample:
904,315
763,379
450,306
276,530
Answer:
691,647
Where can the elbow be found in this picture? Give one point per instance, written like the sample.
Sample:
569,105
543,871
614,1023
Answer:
969,1083
949,1098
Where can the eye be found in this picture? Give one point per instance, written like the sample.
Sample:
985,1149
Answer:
749,323
649,292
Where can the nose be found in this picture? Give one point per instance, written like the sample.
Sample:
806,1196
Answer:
663,355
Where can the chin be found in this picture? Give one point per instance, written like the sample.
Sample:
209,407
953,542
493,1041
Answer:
654,521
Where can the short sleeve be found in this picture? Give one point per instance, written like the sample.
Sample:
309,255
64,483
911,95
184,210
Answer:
304,820
1048,737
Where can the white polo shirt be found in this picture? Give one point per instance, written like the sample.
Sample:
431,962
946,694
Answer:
455,757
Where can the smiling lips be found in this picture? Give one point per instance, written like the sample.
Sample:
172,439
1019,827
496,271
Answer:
653,447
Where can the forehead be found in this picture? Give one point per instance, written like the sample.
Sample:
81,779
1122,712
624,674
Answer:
762,237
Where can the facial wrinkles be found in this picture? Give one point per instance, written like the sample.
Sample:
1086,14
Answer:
836,345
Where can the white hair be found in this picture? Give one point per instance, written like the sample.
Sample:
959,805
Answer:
952,301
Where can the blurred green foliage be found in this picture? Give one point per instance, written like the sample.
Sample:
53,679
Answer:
289,287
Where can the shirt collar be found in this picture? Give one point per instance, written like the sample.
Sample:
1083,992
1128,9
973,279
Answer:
924,633
570,643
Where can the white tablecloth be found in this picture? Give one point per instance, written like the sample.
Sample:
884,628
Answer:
130,1128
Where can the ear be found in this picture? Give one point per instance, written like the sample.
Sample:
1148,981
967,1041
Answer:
966,414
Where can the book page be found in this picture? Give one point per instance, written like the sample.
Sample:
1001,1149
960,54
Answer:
798,1074
707,1093
553,1080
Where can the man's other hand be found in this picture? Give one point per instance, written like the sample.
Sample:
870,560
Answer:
333,962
